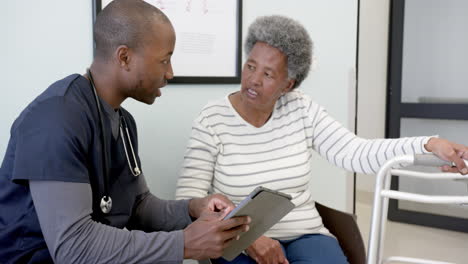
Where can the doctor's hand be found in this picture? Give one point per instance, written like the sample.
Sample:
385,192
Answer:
209,235
449,151
267,251
213,203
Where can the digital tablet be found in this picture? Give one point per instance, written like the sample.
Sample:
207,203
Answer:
265,207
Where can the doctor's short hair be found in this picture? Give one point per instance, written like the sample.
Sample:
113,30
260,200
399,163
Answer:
125,22
287,35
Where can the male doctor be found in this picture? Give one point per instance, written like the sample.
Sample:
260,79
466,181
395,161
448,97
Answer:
72,189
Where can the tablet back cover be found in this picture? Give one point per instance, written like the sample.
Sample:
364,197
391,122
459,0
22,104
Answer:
265,210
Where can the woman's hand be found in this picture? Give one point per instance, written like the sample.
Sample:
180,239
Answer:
267,251
449,151
213,203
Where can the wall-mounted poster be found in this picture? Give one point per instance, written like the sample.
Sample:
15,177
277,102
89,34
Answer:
208,33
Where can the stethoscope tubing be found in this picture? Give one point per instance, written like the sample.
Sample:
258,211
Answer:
106,201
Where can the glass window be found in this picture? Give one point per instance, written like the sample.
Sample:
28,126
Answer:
435,52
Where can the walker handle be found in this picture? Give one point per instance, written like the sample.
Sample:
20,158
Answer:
430,160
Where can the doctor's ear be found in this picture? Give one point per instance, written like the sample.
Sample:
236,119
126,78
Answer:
123,56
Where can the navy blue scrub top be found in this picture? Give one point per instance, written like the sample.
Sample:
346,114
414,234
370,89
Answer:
57,138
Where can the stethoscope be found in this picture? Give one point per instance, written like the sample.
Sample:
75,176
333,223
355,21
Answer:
106,200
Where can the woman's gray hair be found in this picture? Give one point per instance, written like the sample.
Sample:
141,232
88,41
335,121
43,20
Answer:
287,35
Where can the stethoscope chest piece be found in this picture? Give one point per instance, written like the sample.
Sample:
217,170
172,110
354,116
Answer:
106,204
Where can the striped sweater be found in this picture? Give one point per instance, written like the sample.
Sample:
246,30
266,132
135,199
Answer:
226,154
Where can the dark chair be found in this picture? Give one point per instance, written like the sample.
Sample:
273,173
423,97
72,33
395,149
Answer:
344,227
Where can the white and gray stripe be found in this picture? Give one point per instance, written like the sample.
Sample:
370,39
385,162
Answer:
225,154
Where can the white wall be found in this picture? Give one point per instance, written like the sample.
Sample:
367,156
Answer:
372,76
41,42
46,40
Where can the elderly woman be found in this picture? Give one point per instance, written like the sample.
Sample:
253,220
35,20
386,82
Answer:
265,134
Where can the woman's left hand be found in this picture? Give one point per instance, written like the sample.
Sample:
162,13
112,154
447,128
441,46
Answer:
449,151
214,203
